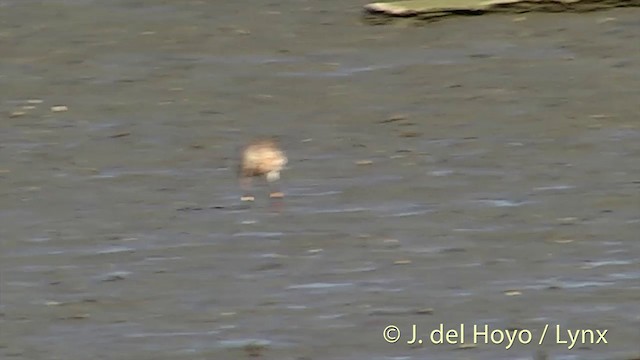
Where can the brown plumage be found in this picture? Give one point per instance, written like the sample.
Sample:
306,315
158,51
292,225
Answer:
261,157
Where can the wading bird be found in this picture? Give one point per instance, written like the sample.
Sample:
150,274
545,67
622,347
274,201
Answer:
261,157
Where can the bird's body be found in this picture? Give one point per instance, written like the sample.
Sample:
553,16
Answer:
261,157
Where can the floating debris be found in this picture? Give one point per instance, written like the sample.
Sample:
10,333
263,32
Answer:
16,114
431,10
512,293
34,101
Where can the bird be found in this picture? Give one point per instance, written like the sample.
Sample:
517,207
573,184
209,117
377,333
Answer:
261,157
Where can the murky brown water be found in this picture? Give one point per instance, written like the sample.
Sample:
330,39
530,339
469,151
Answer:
506,194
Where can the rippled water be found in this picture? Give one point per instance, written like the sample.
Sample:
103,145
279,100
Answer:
437,175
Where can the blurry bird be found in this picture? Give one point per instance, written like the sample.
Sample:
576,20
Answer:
261,157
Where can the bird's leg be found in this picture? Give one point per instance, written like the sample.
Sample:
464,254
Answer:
246,186
274,185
